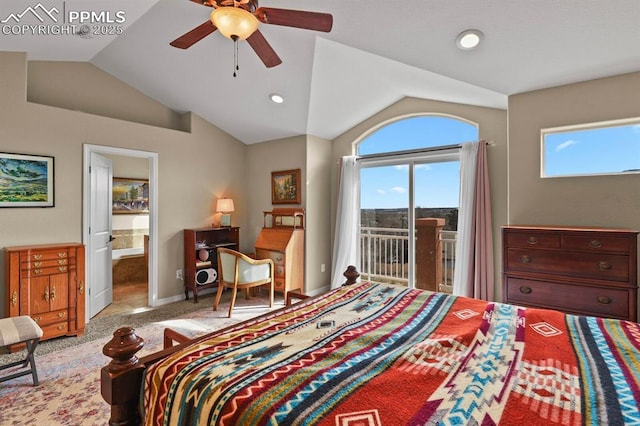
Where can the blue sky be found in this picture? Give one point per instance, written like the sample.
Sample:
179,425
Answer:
436,183
592,151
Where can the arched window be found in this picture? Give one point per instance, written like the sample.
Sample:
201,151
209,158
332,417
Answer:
409,199
417,133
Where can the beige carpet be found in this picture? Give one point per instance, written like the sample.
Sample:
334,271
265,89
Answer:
69,391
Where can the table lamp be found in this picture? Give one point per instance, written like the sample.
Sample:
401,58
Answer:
225,207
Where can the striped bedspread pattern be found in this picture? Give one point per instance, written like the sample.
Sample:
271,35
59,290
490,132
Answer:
397,356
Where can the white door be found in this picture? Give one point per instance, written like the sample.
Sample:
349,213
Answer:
100,280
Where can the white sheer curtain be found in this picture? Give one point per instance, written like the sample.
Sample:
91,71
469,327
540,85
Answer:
345,243
473,273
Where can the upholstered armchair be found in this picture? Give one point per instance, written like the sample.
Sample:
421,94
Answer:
239,271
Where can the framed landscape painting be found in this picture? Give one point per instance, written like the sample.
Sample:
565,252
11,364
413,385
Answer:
130,196
26,180
285,187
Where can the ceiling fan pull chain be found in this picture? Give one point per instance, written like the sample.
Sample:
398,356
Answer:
235,57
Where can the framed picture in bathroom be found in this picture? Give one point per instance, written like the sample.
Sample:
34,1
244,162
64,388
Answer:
130,196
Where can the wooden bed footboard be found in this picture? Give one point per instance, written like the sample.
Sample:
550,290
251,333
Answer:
121,379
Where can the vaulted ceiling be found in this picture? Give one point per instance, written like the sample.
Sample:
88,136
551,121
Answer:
377,53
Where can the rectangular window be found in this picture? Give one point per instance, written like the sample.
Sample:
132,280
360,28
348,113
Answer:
604,148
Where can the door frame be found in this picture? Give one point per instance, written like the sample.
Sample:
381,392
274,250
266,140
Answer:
152,157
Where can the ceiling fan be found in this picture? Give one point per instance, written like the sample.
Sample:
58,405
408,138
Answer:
239,20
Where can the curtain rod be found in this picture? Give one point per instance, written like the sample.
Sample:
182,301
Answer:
415,151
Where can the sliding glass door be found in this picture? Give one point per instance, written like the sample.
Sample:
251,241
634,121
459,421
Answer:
404,209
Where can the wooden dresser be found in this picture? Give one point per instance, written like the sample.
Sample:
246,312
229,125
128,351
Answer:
47,282
589,271
282,240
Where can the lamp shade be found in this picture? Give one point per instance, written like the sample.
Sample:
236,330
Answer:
234,22
224,205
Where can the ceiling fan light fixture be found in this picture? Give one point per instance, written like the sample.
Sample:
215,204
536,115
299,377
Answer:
234,22
469,39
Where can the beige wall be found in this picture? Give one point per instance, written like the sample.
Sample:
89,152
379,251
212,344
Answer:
609,201
492,127
586,200
313,156
262,159
319,235
67,84
194,167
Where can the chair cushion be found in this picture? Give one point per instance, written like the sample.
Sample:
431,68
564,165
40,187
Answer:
248,273
18,329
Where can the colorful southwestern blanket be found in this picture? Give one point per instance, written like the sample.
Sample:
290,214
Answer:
374,354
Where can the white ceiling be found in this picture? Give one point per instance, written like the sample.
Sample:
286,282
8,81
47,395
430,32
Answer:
377,53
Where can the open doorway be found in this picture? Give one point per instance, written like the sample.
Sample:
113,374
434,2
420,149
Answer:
134,235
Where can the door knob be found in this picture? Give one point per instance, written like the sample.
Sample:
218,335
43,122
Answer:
111,238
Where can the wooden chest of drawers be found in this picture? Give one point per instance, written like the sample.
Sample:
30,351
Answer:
589,271
47,283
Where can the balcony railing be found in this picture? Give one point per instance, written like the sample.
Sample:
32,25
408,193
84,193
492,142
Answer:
385,253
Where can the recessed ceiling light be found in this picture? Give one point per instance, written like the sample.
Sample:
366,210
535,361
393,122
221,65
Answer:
469,39
275,98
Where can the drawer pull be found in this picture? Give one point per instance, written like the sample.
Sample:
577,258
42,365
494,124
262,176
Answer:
37,271
81,288
595,244
61,327
62,261
62,314
37,264
604,266
532,241
525,289
62,268
278,258
53,293
605,300
37,256
46,294
37,319
14,298
62,254
525,259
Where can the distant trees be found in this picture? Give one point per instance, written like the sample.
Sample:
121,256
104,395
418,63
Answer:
397,218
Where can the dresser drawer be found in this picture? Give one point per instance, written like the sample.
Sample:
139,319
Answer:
41,255
277,257
601,244
279,284
47,263
609,267
55,330
278,271
533,240
53,317
590,300
35,272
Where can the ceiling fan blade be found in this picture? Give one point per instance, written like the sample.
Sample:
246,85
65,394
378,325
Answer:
263,49
195,35
295,18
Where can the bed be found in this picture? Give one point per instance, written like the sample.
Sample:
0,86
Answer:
378,354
